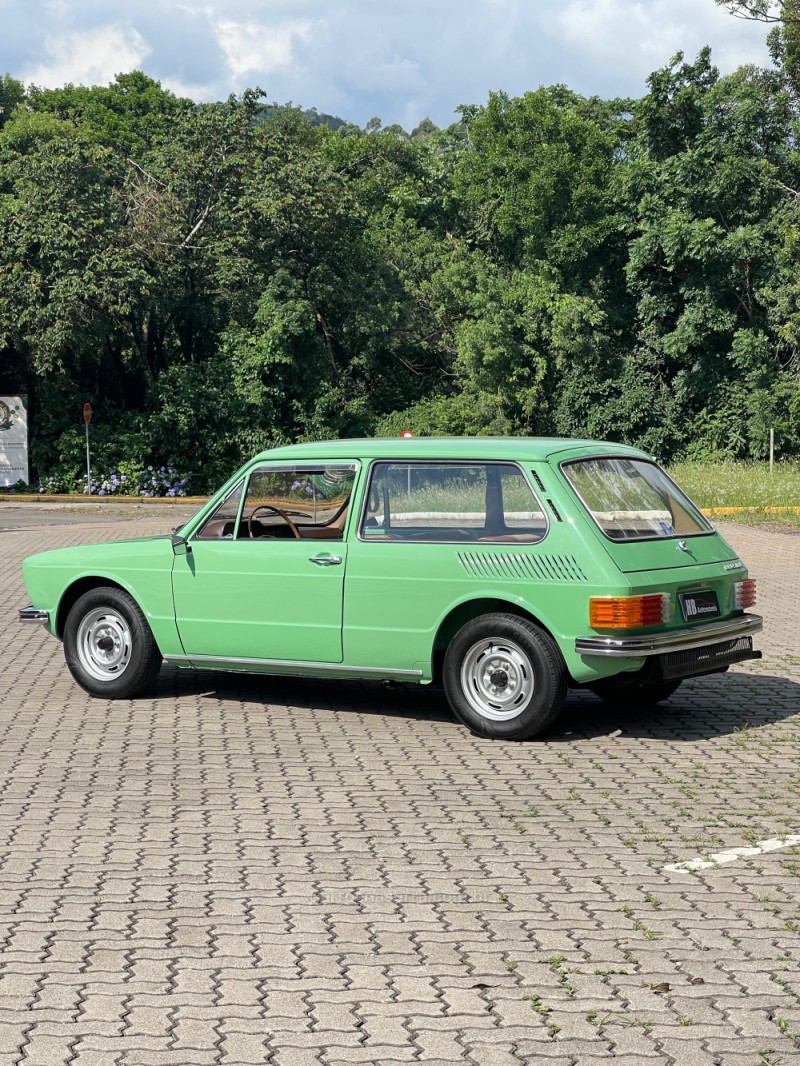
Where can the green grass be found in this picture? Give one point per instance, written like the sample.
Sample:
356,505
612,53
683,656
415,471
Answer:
739,484
461,497
743,484
710,485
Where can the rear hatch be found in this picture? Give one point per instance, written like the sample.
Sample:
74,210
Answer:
633,557
646,521
657,537
698,594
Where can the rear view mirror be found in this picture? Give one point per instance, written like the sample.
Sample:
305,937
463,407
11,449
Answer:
179,545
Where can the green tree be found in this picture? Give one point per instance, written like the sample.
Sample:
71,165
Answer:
769,11
132,112
703,188
12,93
784,38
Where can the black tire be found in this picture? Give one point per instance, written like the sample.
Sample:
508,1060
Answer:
108,645
504,677
639,694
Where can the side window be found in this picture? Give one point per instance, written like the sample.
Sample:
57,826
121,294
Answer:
220,523
300,501
450,503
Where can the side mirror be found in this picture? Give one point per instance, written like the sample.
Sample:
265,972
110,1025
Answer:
180,546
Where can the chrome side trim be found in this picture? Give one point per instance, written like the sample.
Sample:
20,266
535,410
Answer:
683,640
290,666
31,614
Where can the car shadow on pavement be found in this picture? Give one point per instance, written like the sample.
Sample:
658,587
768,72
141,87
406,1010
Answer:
702,708
426,702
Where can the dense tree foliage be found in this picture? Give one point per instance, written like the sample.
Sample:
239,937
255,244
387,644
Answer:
217,278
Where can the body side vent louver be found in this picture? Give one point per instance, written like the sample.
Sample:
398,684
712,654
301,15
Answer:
513,566
538,480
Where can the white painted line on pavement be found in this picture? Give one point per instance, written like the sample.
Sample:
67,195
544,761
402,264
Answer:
721,857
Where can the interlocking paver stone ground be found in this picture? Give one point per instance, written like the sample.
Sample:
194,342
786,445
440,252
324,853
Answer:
305,873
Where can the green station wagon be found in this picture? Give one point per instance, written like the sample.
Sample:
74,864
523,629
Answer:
509,568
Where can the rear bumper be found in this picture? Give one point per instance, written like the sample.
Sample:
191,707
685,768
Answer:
34,616
711,659
679,641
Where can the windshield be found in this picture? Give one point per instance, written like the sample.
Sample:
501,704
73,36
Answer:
632,499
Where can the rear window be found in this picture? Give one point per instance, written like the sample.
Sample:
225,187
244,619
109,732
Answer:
632,499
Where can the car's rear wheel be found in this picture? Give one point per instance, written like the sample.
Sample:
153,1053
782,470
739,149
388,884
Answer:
109,647
504,677
621,692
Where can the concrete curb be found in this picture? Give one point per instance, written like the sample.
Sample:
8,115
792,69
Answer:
749,510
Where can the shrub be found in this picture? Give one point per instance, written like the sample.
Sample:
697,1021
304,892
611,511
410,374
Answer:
148,482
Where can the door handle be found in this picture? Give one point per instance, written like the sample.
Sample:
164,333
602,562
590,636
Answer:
326,560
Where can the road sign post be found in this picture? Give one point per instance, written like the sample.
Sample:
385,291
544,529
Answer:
87,418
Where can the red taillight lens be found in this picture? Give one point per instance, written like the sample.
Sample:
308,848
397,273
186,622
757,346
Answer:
744,594
628,612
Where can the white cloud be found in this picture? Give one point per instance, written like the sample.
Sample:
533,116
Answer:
200,93
641,35
395,74
399,59
89,57
252,47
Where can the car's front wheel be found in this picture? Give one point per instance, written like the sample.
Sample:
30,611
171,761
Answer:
504,677
109,646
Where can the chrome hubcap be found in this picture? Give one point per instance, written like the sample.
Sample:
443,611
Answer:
104,644
497,679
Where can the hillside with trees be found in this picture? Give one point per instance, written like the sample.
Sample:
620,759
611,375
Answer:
219,278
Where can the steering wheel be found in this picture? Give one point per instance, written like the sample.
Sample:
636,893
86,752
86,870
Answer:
278,511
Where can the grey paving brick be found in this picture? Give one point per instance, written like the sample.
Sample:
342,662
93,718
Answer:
494,1054
305,873
384,1056
386,1029
295,1057
245,1048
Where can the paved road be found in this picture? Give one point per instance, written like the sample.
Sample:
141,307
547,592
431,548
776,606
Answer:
44,515
251,871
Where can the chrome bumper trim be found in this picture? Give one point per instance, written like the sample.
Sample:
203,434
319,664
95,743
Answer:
291,666
682,640
32,614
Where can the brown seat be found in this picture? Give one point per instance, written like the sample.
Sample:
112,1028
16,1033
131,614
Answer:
511,538
330,532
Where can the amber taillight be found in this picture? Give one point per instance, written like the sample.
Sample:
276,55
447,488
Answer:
628,612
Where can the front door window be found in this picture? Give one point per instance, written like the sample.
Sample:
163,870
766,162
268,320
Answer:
300,502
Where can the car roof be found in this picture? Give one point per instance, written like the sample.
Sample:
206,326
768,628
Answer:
509,448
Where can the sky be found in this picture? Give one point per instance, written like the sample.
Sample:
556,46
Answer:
398,60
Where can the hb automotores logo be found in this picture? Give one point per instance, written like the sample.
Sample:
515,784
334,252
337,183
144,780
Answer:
7,415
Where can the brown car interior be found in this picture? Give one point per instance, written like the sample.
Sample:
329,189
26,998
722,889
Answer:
270,522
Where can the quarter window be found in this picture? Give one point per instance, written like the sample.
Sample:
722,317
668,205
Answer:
222,520
451,502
